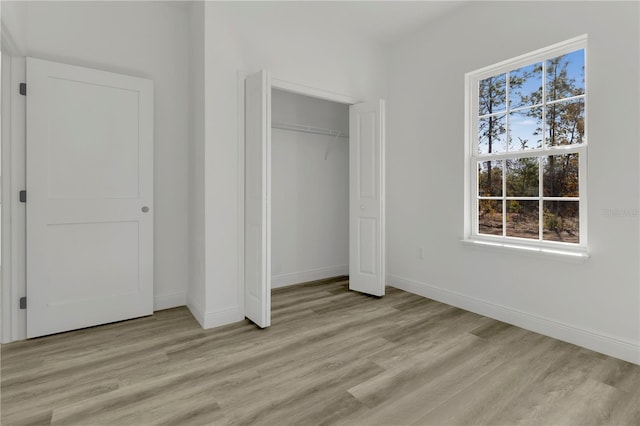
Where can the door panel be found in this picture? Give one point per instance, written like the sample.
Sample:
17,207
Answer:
109,163
366,198
367,232
89,175
367,156
257,232
96,254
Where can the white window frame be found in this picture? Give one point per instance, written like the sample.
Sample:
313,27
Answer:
472,80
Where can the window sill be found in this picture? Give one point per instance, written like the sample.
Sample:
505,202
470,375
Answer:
575,256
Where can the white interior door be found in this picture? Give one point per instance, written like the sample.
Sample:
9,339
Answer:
257,225
366,198
89,197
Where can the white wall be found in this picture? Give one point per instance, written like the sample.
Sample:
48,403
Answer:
595,303
310,191
196,287
13,25
283,38
145,39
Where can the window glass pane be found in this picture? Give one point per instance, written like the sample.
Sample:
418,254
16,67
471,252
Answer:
565,76
492,94
522,177
490,217
560,175
525,129
528,117
525,86
565,123
561,221
490,179
522,219
492,134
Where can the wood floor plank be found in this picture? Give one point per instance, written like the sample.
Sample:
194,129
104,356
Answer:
556,392
273,408
332,356
481,401
619,374
446,380
625,410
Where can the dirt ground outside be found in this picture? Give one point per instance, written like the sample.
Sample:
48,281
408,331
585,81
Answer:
526,226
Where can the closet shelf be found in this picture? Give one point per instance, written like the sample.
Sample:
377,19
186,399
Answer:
308,129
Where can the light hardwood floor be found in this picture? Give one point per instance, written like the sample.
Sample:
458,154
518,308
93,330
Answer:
331,357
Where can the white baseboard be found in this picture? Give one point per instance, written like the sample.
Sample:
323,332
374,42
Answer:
197,313
167,301
216,318
222,317
284,280
596,341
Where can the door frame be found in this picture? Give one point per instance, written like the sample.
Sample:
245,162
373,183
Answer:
286,86
13,144
13,320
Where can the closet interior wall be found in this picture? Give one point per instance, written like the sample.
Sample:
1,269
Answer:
310,189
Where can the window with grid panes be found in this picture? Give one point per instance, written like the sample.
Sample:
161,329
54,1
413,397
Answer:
528,146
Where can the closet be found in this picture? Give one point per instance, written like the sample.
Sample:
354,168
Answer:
309,188
313,190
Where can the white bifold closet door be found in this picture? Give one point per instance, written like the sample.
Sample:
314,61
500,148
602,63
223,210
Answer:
366,221
366,198
257,201
89,197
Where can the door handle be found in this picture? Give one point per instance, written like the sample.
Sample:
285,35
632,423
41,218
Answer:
145,209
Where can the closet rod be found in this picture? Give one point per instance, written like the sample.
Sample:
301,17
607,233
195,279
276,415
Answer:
307,129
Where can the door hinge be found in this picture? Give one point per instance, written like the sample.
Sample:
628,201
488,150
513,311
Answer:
23,89
23,302
23,196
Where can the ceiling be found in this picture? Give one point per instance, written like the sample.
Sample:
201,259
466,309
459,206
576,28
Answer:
380,21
